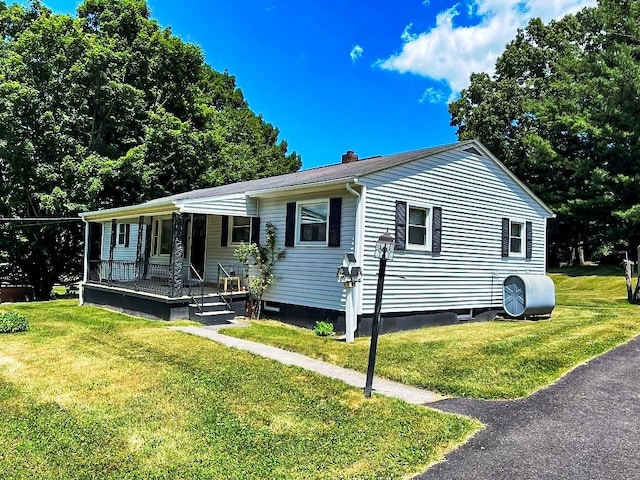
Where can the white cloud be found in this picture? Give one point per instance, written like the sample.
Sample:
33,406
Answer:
432,95
450,53
356,53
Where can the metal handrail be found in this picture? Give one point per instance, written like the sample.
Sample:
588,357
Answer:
201,282
226,302
193,269
221,294
220,267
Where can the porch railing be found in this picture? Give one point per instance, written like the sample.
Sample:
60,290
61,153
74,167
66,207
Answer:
143,277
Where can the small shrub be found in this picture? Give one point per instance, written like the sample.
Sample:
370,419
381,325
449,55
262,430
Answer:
323,329
11,322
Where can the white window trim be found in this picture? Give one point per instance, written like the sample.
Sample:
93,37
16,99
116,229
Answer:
302,243
523,234
230,230
121,228
158,231
429,226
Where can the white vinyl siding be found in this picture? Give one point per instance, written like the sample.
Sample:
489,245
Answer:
237,204
475,194
120,252
215,253
307,274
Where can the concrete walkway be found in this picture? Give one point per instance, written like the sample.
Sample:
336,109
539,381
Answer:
350,377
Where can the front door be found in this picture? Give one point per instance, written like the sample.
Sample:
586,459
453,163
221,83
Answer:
198,242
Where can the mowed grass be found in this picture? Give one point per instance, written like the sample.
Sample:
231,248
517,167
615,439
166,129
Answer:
87,393
492,360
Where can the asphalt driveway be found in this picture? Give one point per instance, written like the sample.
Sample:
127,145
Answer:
586,426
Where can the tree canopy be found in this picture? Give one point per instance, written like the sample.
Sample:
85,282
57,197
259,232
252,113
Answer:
563,112
106,109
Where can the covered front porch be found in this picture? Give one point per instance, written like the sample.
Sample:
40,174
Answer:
175,259
169,254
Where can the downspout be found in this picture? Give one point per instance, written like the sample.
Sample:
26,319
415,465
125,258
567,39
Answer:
85,274
356,304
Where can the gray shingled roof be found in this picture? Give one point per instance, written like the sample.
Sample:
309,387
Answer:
312,176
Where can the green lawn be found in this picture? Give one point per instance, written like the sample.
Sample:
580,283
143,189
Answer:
87,393
500,359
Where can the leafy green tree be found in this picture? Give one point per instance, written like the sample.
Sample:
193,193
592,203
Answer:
562,112
106,109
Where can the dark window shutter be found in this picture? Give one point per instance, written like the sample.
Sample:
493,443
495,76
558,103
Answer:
436,240
290,225
127,233
255,230
114,232
335,218
224,235
401,225
529,238
505,237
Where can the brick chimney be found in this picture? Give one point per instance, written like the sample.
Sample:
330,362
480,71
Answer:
349,157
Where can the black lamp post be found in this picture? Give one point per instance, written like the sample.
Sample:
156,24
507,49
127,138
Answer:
384,251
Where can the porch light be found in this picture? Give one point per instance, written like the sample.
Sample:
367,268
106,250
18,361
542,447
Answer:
385,246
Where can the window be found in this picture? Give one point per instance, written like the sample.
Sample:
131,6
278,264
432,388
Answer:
312,222
516,237
161,242
122,234
240,230
418,227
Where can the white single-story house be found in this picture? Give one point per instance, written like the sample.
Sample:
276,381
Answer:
462,223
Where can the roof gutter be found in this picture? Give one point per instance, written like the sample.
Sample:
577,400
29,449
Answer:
308,186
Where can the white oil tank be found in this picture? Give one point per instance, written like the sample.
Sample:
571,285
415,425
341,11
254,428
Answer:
528,295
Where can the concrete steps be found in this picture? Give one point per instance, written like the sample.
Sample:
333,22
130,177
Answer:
210,312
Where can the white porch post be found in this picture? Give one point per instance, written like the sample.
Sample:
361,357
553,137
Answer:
85,266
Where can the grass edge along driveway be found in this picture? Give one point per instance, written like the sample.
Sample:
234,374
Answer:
490,360
87,393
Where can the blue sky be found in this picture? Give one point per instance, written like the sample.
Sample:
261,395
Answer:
335,75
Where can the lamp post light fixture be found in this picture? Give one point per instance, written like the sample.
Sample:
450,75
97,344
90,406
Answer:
384,252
